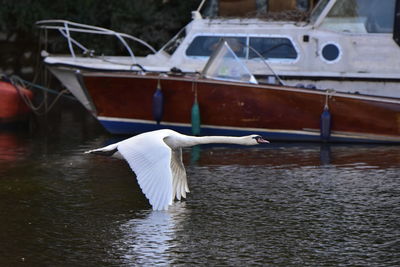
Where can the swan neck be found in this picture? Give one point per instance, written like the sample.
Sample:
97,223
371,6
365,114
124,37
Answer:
219,140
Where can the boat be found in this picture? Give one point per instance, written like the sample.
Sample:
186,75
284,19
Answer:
13,106
323,79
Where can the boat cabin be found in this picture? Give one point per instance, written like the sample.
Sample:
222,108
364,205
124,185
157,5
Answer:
340,39
338,35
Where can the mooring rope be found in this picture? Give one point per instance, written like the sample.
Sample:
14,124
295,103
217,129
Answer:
19,83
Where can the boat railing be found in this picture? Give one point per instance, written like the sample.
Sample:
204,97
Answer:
66,27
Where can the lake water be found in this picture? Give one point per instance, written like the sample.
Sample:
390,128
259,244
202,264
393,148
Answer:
283,204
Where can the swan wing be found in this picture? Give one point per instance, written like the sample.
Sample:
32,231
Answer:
109,150
150,159
179,179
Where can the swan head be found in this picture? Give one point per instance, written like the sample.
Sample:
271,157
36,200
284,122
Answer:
257,139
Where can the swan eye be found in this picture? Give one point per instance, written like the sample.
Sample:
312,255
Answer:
260,139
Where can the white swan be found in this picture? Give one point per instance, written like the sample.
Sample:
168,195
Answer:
156,158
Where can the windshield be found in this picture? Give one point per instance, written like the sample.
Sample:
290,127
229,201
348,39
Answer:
318,10
361,16
225,65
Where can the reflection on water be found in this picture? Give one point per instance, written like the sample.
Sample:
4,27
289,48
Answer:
283,204
146,240
12,148
297,154
325,154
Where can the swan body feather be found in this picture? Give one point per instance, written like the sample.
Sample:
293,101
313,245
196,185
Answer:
156,159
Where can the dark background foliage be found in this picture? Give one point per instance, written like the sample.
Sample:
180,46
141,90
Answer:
154,21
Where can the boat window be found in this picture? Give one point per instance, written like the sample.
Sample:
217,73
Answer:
272,47
203,46
361,16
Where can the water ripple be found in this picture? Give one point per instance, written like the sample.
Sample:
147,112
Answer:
279,205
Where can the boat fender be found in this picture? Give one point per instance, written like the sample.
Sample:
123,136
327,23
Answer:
325,124
158,104
196,118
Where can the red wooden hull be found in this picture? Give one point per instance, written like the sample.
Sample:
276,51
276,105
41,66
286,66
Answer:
12,107
283,112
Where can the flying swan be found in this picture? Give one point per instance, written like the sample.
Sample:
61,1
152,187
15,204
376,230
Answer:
156,159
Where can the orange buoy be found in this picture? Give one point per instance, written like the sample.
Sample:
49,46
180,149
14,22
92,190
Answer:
12,106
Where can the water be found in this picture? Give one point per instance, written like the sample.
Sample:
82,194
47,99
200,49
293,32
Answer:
282,204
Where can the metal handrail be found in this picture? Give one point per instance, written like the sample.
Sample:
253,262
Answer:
65,27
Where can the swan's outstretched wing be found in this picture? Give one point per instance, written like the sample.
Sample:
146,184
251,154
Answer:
150,159
109,150
179,180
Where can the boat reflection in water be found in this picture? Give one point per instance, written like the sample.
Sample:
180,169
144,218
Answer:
12,148
295,155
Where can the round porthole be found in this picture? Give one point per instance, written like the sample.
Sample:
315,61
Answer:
330,52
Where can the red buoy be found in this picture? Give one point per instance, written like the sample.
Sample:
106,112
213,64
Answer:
12,106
